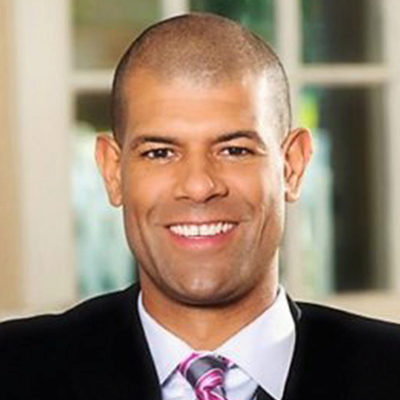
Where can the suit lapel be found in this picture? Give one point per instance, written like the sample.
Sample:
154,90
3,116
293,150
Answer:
148,384
315,372
119,366
262,395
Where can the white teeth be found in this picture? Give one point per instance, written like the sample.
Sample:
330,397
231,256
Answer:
225,227
202,230
205,230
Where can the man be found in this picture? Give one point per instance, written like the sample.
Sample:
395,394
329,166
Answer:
202,160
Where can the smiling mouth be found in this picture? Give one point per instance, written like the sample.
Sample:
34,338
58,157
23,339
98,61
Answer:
202,230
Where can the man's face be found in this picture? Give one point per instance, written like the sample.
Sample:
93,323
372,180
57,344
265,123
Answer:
200,179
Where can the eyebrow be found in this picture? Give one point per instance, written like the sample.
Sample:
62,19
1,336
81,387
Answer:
249,134
138,140
171,140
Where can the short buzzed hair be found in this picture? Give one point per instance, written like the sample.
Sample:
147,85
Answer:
206,48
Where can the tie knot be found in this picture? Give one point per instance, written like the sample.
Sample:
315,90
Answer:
206,374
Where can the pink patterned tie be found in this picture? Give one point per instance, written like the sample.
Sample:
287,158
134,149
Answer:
206,374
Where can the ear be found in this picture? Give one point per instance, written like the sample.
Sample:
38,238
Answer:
108,158
297,150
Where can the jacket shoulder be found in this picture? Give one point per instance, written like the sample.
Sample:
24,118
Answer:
82,317
361,354
348,324
43,347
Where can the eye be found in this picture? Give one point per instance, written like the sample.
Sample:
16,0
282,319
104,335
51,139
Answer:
236,151
161,153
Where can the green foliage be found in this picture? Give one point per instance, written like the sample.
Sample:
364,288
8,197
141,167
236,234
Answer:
257,15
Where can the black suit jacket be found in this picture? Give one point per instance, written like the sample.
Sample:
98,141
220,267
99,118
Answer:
97,351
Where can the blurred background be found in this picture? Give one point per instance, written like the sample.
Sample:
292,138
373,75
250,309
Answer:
60,241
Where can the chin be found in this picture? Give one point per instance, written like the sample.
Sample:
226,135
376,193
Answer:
206,295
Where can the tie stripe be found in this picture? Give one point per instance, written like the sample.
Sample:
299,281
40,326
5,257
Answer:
206,375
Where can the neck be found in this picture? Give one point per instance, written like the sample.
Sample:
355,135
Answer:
207,328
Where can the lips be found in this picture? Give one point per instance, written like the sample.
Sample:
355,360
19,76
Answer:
201,235
201,230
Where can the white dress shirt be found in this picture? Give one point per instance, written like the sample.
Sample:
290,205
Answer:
262,352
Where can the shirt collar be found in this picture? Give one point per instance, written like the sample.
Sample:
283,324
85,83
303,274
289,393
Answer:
264,348
166,349
267,362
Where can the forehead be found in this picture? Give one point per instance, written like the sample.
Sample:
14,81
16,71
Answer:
182,104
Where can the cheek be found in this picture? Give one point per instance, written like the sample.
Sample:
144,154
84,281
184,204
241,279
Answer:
261,187
145,196
142,187
138,197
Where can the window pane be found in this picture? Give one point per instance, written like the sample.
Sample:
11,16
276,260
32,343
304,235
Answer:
341,31
104,262
341,233
257,15
103,28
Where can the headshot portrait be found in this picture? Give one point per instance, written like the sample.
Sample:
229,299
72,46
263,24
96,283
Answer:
209,211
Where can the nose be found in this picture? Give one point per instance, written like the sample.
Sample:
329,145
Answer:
200,180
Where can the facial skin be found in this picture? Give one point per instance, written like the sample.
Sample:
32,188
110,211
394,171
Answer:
196,154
